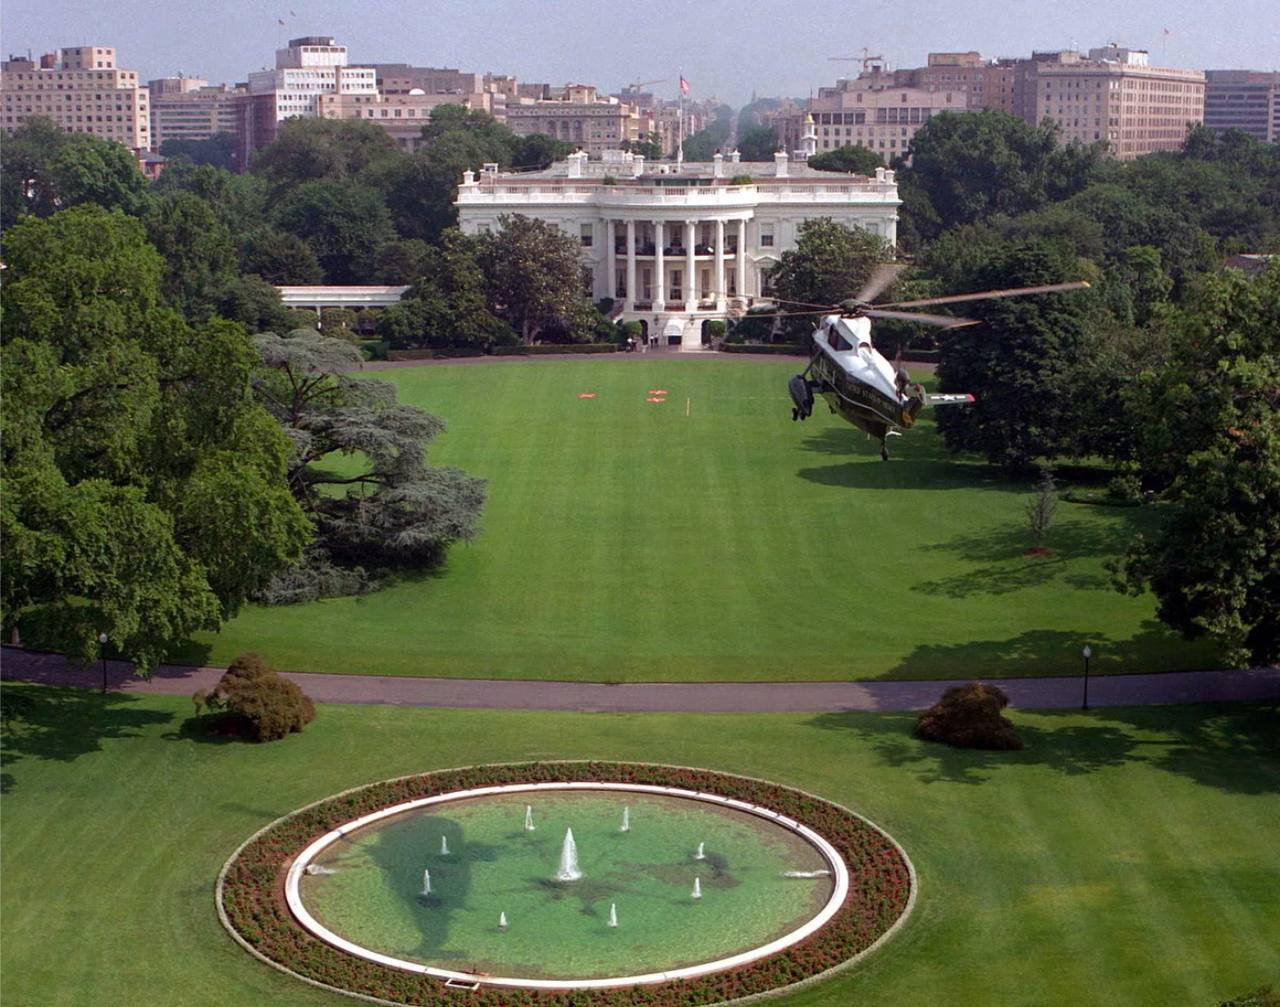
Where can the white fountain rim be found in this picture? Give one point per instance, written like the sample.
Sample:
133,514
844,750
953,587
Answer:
840,890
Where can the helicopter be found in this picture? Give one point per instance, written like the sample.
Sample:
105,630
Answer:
857,381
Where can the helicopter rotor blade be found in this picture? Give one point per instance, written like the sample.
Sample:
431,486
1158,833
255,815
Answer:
879,280
1048,288
941,321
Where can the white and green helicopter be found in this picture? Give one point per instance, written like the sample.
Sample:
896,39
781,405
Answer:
857,381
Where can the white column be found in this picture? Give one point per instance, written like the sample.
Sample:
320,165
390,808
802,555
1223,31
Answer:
610,257
720,302
630,302
659,267
690,267
742,258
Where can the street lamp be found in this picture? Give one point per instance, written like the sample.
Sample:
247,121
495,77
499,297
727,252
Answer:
102,652
1086,654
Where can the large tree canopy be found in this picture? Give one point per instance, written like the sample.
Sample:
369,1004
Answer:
830,263
853,159
311,150
145,495
1215,564
359,468
344,224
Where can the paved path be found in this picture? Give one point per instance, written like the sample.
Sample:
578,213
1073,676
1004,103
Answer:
665,697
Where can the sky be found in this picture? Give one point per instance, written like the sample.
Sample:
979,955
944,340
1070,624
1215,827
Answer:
724,48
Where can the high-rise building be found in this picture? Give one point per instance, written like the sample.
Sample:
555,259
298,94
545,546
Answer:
194,113
308,67
1244,100
82,90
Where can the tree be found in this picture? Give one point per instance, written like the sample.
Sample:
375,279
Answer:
758,143
538,151
856,160
829,264
251,699
1041,508
534,276
394,511
311,150
280,258
345,225
650,150
1020,362
240,201
1214,566
198,253
218,151
447,305
145,491
969,165
46,170
703,144
402,262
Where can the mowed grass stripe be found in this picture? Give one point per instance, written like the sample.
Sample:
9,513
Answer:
624,540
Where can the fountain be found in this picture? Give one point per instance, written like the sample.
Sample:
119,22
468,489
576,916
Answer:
701,854
528,818
613,914
426,882
697,888
626,819
568,859
502,921
444,846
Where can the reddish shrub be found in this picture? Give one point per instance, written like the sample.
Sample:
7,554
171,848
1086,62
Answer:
254,701
968,716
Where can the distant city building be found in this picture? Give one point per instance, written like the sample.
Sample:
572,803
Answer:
195,113
1244,100
680,245
307,68
401,115
1111,94
1114,95
578,115
82,90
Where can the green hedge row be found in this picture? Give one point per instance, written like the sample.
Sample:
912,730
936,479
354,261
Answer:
551,348
252,891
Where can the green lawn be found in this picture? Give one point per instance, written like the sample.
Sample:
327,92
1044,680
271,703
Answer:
710,538
1125,857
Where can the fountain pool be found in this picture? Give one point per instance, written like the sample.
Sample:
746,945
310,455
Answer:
371,891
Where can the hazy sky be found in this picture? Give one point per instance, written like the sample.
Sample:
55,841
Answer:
724,47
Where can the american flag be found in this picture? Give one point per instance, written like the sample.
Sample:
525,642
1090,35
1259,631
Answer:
684,86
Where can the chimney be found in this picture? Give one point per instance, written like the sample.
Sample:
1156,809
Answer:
780,164
717,165
468,177
734,156
576,162
637,167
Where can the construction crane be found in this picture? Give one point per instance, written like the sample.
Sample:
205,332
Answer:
865,59
644,83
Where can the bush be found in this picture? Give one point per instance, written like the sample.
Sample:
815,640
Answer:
713,331
252,700
1264,997
742,180
968,716
1125,488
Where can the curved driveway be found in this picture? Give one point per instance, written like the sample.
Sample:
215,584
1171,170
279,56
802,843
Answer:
1258,684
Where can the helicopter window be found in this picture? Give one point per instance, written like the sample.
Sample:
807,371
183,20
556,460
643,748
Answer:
836,341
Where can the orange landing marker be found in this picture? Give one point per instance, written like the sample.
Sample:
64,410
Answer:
586,395
654,399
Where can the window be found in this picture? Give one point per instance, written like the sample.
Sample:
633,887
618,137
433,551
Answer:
586,235
766,235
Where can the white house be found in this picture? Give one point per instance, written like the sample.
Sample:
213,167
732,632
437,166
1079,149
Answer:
679,244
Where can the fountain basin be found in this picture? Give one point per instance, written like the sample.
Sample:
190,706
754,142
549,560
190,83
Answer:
559,937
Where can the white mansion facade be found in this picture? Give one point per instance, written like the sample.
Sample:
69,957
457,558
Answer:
678,244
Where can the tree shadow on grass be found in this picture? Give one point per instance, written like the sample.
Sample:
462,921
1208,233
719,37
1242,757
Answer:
1049,651
43,722
1234,748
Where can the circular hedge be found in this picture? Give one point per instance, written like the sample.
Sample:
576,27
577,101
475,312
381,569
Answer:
251,903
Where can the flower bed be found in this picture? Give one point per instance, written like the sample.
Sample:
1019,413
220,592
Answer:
251,898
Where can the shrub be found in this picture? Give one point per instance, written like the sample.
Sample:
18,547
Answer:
742,180
254,701
713,331
968,716
1125,488
1264,997
608,180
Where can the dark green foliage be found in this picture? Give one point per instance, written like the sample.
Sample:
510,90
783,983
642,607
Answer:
344,223
145,492
533,274
829,264
968,716
280,258
45,170
198,253
968,166
252,700
1020,362
741,180
854,159
650,150
217,151
538,151
758,143
395,511
703,145
402,262
312,150
254,303
1214,428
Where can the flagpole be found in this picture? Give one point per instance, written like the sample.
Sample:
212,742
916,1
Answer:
680,145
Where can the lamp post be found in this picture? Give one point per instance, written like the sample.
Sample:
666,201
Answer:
102,652
1086,654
